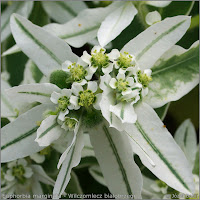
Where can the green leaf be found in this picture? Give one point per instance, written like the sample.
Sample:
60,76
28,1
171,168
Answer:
185,137
176,74
158,151
21,143
22,8
152,43
115,158
47,51
63,11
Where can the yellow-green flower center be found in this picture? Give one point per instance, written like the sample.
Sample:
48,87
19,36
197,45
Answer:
86,98
99,59
18,172
125,60
70,122
121,85
144,79
63,102
78,72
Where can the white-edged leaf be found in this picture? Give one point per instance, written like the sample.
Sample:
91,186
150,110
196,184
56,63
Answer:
22,8
12,50
72,160
174,75
88,150
185,137
7,104
95,172
159,4
158,150
17,137
29,93
46,50
63,11
152,43
115,23
41,175
115,157
49,131
84,27
32,74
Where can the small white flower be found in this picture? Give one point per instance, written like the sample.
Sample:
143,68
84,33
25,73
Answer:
85,97
62,99
18,171
69,123
99,59
79,71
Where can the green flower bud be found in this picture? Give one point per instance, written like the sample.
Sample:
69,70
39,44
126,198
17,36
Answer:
92,118
61,78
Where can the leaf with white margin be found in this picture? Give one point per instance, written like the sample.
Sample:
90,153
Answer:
21,143
150,138
41,175
115,23
63,11
175,75
49,131
84,27
72,160
29,93
46,50
185,136
7,104
71,139
88,150
22,8
12,50
96,173
152,43
115,157
32,74
159,4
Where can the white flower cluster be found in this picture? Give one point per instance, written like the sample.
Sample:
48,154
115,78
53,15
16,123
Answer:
120,74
